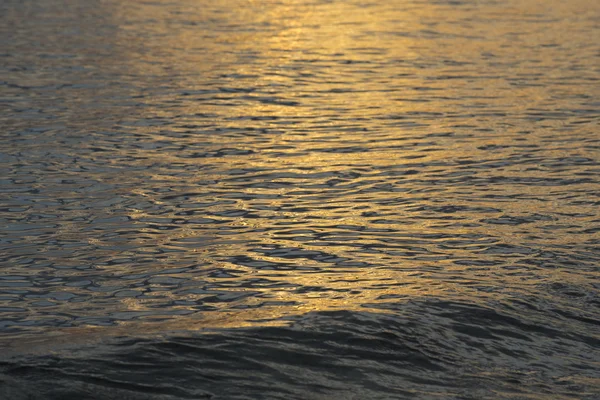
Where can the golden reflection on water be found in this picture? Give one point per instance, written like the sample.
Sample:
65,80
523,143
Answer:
413,93
302,61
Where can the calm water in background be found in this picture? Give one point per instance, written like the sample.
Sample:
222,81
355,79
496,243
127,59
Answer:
239,199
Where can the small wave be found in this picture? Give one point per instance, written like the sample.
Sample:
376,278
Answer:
426,350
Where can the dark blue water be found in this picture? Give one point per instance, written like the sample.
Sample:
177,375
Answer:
299,199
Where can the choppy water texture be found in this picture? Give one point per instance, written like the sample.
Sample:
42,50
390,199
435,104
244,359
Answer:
293,199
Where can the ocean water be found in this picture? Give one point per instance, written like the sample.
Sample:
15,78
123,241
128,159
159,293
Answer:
299,199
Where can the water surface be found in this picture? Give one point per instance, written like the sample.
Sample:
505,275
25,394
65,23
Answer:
300,199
